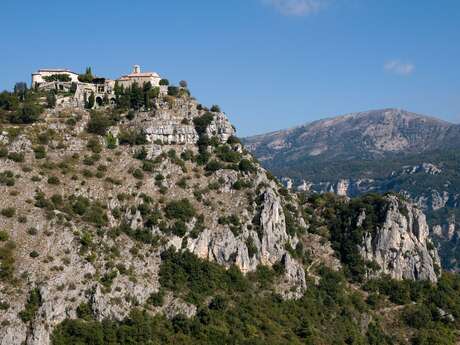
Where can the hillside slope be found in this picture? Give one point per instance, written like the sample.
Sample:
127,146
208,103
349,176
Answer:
153,224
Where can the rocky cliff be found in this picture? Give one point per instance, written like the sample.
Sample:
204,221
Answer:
92,199
400,245
95,201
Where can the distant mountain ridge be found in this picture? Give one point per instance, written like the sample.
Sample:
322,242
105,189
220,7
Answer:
375,151
367,134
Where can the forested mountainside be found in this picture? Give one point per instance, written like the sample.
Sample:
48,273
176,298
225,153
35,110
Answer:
381,151
148,222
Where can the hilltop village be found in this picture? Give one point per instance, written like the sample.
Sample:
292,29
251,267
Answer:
89,91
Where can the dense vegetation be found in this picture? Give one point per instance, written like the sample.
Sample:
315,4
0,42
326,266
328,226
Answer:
346,235
22,106
234,309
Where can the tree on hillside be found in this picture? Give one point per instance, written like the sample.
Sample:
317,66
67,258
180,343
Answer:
28,112
20,89
91,101
146,94
136,97
51,99
87,77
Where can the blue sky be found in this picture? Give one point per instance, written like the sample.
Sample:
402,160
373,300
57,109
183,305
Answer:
269,64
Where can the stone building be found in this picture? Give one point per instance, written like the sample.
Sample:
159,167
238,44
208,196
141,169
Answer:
139,77
101,88
38,78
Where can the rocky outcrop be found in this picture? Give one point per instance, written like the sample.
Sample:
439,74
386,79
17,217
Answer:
226,248
292,284
400,246
168,125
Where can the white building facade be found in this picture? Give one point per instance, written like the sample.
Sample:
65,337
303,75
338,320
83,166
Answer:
38,77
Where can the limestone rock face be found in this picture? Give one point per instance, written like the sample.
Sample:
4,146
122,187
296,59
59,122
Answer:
400,246
221,128
293,284
226,248
175,126
273,225
171,132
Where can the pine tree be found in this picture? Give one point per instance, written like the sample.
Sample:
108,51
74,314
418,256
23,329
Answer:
136,97
51,99
91,101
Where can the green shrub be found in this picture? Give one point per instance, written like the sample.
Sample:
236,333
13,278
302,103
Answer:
137,173
141,154
57,77
187,155
53,180
4,236
85,312
179,228
40,152
80,204
94,145
96,214
226,154
99,123
7,178
233,222
241,184
111,141
417,316
182,183
33,303
28,112
71,122
180,210
233,140
252,249
51,100
164,82
215,108
246,165
34,254
132,137
16,156
7,261
148,166
3,152
173,91
202,122
32,231
157,298
203,158
108,278
213,166
8,212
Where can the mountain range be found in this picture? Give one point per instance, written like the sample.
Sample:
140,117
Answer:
375,151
